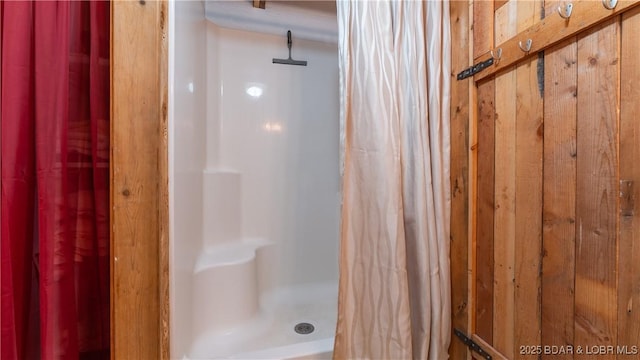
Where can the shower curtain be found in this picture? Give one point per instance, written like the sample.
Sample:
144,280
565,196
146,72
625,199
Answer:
54,131
394,295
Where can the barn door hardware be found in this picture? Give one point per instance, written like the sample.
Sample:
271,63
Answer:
472,344
470,71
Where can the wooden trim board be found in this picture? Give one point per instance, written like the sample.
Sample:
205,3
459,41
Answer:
459,11
504,182
139,178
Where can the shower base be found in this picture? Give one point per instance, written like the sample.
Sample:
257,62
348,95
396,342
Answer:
271,333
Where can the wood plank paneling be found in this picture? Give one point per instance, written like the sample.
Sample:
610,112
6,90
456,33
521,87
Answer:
482,27
597,188
459,11
629,252
558,263
565,224
498,4
138,180
485,213
505,170
528,192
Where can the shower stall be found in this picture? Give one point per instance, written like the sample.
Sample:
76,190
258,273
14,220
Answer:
254,178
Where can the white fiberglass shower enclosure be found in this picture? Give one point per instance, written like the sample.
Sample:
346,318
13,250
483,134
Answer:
254,180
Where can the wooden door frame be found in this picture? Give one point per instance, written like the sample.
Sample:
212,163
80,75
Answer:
139,180
461,171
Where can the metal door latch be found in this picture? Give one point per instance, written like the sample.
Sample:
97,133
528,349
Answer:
472,344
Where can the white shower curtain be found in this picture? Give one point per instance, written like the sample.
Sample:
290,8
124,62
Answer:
394,297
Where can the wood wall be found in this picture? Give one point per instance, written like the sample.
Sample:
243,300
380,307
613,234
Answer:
139,192
555,245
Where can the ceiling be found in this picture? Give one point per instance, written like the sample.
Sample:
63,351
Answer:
325,6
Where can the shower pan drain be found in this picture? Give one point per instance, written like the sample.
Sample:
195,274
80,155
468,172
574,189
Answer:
304,328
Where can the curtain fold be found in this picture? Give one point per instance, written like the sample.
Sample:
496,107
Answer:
55,177
394,297
18,176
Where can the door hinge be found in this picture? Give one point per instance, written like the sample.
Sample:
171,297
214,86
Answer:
472,344
470,71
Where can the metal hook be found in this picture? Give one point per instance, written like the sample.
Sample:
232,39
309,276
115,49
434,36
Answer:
565,11
527,47
610,4
497,55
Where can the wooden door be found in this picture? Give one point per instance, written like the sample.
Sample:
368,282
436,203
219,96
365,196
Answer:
556,243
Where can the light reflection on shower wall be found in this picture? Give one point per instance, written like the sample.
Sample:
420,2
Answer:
278,127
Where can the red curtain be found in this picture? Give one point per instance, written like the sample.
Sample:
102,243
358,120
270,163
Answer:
55,179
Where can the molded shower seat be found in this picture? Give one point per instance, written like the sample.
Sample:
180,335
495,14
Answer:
226,286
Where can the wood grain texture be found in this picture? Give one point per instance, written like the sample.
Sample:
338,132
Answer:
504,230
459,13
559,209
163,188
138,179
528,192
551,8
629,251
596,300
495,354
485,212
473,188
550,31
482,27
